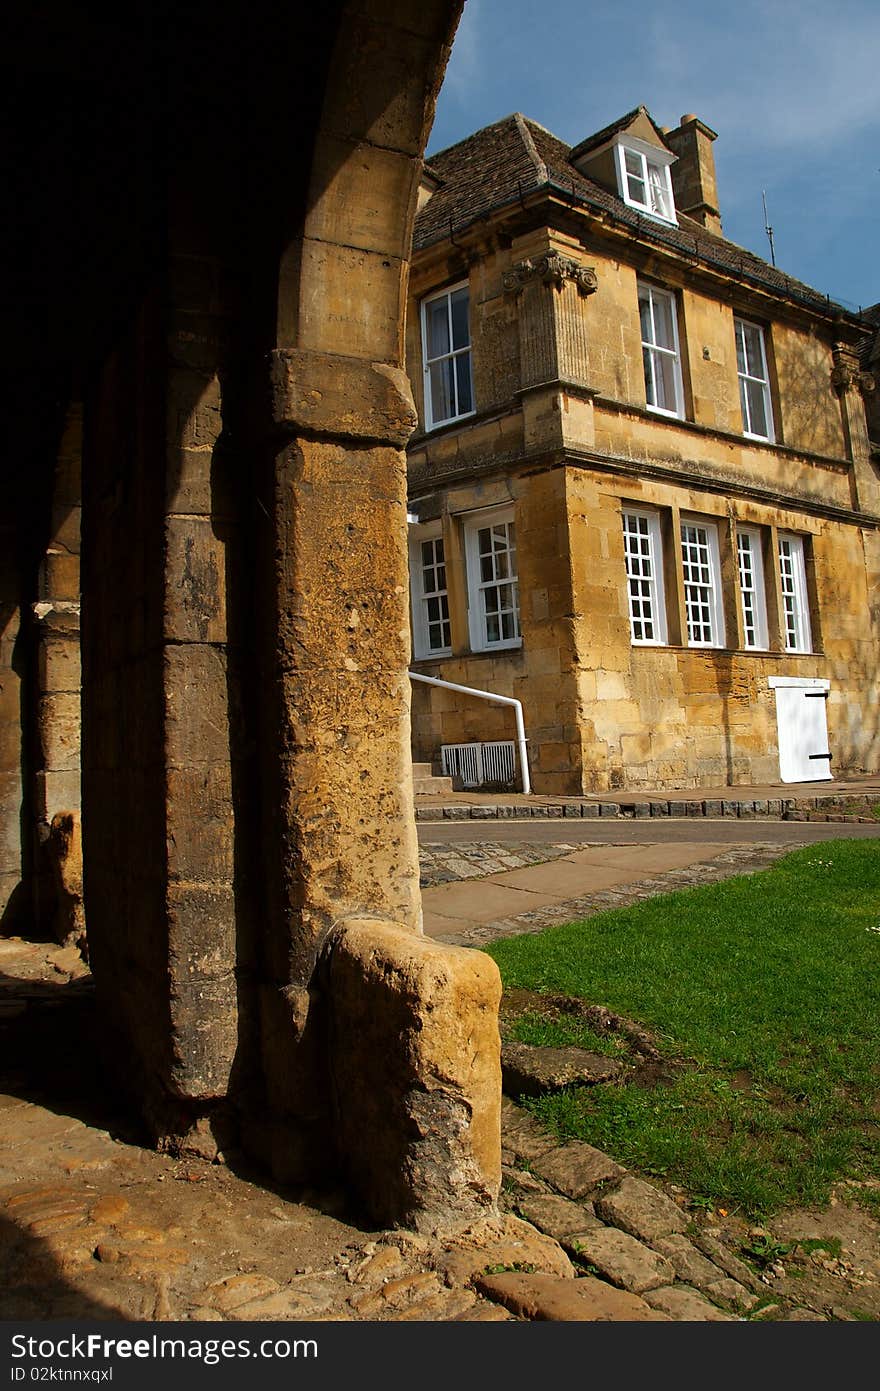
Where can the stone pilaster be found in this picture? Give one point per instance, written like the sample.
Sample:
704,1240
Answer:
852,384
552,324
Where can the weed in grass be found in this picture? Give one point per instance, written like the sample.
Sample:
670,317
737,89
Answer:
830,1244
502,1269
763,1251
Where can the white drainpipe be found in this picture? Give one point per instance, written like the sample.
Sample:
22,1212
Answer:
497,700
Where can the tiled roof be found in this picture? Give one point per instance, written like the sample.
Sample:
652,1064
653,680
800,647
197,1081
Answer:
593,142
504,162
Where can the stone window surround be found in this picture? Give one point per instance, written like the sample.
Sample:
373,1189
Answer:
656,295
703,594
422,649
753,593
651,600
460,556
463,351
472,523
796,625
740,323
727,530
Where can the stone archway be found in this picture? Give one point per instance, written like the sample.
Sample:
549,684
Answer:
232,318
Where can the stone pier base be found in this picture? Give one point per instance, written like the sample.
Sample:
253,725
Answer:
415,1060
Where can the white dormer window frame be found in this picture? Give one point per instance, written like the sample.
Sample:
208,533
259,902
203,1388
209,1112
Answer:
644,178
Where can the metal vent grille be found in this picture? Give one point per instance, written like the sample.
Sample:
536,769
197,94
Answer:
480,765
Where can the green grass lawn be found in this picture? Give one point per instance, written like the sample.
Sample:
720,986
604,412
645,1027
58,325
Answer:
765,989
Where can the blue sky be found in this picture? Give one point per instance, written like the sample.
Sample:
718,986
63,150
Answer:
791,86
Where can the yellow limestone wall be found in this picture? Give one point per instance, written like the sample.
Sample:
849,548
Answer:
601,713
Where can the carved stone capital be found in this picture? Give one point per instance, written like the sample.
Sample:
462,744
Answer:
847,373
552,269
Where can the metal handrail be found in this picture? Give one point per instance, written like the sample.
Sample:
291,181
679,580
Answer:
498,700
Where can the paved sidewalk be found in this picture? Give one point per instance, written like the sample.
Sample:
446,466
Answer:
571,882
526,887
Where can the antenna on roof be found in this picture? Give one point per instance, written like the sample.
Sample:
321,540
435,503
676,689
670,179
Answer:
768,229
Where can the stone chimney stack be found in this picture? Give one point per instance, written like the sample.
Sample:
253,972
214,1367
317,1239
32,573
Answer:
693,173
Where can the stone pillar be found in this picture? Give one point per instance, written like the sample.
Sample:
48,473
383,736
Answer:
552,324
56,627
10,736
851,385
247,640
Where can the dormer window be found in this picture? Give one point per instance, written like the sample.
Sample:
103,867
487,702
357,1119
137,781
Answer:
644,179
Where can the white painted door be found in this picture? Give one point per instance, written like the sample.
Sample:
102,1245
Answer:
802,727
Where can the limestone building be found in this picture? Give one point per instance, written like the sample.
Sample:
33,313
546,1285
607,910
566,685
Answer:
643,498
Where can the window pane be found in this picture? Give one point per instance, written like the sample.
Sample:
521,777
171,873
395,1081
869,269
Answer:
659,194
665,382
663,322
463,381
437,319
752,345
757,412
635,177
442,390
740,348
459,310
645,317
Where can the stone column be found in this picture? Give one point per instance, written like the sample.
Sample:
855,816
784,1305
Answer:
552,325
850,382
55,616
556,399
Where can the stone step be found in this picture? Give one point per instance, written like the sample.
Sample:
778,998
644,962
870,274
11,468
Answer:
427,784
430,786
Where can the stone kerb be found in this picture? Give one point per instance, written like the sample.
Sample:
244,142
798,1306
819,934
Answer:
822,809
415,1061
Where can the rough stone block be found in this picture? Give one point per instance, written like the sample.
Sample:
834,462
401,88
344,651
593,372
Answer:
641,1210
576,1169
199,824
204,1036
502,1241
685,1304
558,1217
360,192
690,1264
195,581
369,401
416,1064
544,1297
530,1071
623,1260
60,731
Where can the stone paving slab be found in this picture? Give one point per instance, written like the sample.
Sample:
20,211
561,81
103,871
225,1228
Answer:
557,1216
563,878
489,901
564,1301
623,1260
685,1304
576,1169
641,1210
